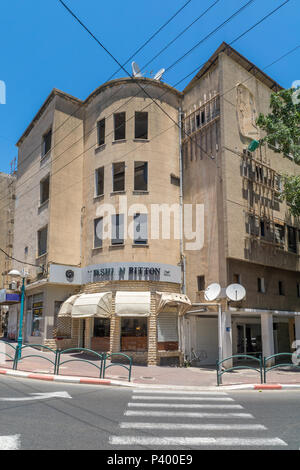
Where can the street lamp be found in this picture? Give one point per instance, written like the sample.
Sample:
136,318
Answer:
17,274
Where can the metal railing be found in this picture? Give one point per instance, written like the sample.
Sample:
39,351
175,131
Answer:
263,369
221,371
276,366
58,360
129,367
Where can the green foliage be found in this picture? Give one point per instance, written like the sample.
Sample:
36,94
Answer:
282,124
282,128
291,193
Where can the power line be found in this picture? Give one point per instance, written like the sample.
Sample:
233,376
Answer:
150,39
79,107
22,262
180,34
198,77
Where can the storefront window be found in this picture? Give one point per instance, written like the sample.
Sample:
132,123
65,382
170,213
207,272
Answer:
134,334
101,327
37,313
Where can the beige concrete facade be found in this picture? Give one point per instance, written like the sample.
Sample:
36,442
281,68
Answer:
218,109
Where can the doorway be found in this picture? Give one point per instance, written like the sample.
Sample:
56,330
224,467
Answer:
249,339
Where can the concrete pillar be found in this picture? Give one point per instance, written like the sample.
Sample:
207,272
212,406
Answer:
152,340
267,335
115,333
297,328
226,332
88,332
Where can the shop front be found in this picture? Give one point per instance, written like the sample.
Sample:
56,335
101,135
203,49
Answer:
141,324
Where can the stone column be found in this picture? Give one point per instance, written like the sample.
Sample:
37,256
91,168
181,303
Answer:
267,336
115,332
152,340
226,338
88,332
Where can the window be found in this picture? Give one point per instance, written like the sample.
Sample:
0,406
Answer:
117,229
141,125
175,180
101,327
201,283
42,241
46,143
98,232
134,334
298,289
44,189
261,285
141,176
279,234
118,176
119,122
37,313
140,229
262,228
99,181
101,131
280,288
292,243
236,279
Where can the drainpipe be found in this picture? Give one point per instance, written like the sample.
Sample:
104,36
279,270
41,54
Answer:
182,257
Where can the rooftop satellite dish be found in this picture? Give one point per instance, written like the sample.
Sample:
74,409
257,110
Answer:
235,292
212,292
136,70
159,74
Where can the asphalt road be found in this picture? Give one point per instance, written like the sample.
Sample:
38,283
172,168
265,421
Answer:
112,418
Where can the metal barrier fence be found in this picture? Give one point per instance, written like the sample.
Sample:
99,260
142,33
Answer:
58,361
262,368
220,372
276,366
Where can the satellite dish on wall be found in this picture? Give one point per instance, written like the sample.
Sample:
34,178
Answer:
159,74
213,291
235,292
136,72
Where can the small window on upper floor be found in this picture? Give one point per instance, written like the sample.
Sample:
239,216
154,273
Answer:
44,189
141,125
99,181
98,232
119,176
261,285
141,176
101,132
292,239
42,241
119,123
46,142
280,288
201,283
117,229
236,279
140,229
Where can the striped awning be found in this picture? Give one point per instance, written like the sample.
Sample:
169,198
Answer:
132,304
182,301
87,306
66,308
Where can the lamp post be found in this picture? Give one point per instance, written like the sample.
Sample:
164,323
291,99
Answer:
17,274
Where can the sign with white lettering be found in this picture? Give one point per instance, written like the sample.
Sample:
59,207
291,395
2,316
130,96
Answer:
115,272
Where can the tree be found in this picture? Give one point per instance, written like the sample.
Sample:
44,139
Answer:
282,128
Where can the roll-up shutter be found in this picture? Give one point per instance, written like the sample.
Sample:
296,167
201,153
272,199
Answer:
167,327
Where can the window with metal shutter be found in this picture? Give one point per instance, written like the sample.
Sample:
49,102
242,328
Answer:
167,327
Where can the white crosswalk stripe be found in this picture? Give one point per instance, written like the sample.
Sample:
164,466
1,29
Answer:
205,413
10,442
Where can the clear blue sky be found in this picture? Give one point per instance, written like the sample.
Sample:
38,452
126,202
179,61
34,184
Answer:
42,47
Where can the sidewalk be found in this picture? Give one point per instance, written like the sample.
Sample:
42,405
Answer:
152,375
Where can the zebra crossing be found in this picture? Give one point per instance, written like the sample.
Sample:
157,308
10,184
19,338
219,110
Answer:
177,419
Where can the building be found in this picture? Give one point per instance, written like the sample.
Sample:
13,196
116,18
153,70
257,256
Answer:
112,193
7,295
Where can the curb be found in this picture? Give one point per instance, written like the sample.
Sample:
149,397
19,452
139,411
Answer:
94,381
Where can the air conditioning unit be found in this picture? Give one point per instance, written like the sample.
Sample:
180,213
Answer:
13,285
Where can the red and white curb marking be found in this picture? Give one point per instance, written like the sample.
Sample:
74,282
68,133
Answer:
94,381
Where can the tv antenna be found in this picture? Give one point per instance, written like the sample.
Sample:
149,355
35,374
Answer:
159,74
136,72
